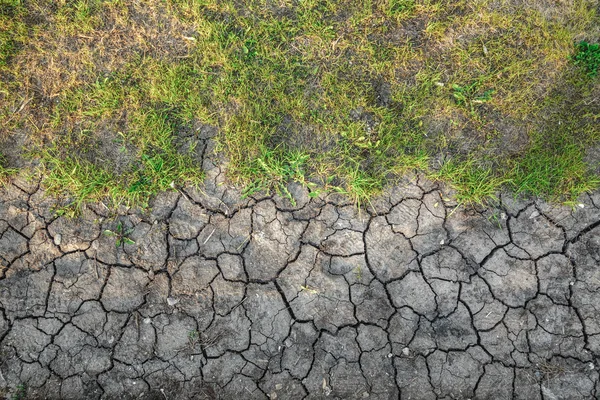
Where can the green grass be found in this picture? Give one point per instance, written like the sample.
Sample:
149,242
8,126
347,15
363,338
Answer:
338,95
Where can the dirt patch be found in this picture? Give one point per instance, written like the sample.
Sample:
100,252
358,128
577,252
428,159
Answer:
296,136
105,147
412,30
511,136
12,149
383,93
592,158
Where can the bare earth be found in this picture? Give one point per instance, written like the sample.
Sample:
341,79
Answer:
214,296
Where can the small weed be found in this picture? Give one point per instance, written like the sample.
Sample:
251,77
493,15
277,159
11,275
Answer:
496,218
315,190
20,393
588,57
193,338
550,370
309,290
471,95
121,234
360,186
201,339
358,273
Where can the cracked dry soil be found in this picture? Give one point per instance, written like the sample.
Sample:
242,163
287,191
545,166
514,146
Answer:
223,297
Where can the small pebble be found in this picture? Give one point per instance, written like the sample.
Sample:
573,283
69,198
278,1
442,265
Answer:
172,301
406,351
57,239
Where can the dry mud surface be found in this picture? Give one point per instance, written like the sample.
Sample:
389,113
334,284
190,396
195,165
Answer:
223,297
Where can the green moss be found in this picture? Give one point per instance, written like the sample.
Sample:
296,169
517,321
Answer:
588,57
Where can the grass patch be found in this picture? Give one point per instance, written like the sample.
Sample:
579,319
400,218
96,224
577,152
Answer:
125,158
558,175
339,95
473,183
554,165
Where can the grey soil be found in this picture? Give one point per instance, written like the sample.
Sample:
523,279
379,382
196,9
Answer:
223,297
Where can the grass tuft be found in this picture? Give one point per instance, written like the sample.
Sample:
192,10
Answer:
275,168
474,184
